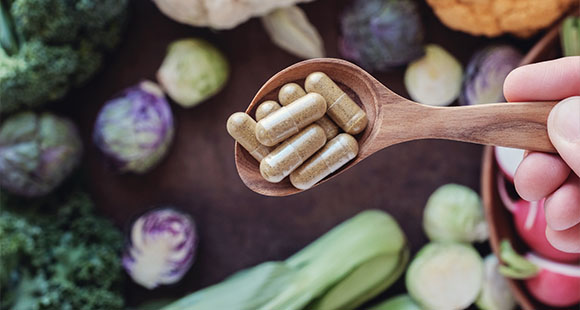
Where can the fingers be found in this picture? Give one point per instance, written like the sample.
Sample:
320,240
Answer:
539,175
562,208
548,80
567,240
564,130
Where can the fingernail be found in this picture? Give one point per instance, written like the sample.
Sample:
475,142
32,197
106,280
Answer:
565,119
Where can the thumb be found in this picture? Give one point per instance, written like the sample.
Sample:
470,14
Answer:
564,131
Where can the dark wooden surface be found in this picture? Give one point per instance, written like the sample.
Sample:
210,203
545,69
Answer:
237,227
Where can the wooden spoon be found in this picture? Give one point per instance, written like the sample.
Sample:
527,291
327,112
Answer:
394,119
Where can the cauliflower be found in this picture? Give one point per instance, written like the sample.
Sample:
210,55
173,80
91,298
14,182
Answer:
495,17
218,14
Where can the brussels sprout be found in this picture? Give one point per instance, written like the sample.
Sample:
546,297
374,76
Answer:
495,292
162,247
454,213
37,152
570,36
400,302
435,79
192,71
486,73
381,34
135,129
445,276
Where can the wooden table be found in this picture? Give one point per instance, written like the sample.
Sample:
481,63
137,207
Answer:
237,227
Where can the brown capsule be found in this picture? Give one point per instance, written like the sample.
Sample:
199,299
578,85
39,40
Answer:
242,128
292,153
290,119
293,91
330,158
266,108
341,108
290,92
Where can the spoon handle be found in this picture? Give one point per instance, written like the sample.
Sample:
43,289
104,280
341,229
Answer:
516,124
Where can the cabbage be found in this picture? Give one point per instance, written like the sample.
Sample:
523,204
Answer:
486,73
381,34
161,249
135,130
192,71
37,152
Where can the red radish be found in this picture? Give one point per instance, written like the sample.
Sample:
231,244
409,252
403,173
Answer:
530,223
556,284
508,159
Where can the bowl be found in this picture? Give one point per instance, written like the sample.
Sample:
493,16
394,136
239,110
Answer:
499,218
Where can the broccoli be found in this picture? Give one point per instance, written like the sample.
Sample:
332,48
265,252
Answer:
57,254
49,46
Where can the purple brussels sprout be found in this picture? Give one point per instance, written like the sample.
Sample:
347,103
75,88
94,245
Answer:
381,34
162,247
485,74
135,130
37,152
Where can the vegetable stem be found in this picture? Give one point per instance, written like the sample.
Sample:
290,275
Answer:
7,37
517,267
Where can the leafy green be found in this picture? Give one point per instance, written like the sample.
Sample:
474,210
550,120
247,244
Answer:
57,254
47,46
347,266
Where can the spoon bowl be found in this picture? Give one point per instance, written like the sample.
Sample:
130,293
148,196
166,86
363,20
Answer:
393,119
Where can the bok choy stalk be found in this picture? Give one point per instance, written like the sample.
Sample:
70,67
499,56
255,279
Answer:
344,268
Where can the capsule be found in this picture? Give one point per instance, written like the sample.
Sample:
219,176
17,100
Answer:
266,108
290,92
242,128
290,119
341,108
292,153
330,158
293,91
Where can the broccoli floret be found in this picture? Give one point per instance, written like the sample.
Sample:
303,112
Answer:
49,46
57,254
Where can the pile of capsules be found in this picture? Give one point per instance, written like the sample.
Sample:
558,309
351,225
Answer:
306,143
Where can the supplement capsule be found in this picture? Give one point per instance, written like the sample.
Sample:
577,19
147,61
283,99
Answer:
290,92
293,91
332,156
292,153
290,119
266,108
341,108
242,128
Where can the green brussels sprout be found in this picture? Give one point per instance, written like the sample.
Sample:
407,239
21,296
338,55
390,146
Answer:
135,130
434,79
192,71
454,213
445,276
495,292
37,152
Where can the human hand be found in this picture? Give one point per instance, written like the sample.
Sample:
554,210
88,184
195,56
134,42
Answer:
555,177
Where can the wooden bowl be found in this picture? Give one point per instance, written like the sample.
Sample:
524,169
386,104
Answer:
499,218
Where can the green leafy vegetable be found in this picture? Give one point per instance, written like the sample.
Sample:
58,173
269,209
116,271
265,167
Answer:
57,255
400,302
341,270
570,36
47,46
